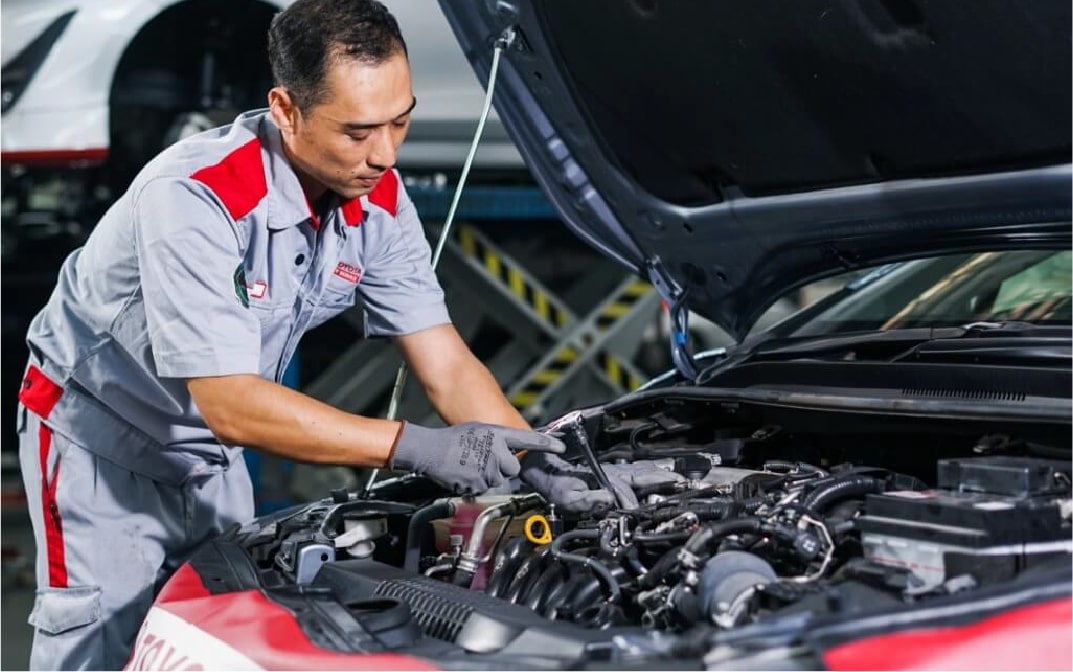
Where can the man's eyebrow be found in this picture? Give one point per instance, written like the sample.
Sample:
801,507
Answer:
358,126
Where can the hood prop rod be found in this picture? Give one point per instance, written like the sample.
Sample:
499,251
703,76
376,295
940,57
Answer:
675,296
504,41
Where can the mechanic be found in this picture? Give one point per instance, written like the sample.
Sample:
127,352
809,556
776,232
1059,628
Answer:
160,353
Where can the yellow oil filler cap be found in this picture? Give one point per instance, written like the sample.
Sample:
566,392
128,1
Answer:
537,529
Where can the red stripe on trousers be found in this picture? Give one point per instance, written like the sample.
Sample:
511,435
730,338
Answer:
57,565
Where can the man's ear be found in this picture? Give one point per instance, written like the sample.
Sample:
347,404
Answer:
283,110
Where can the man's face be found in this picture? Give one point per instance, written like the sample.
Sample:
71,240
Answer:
351,138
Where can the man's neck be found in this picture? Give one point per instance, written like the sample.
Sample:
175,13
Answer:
312,188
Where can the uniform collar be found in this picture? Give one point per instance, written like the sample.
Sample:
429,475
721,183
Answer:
287,202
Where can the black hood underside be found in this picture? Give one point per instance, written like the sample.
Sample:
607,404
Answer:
751,147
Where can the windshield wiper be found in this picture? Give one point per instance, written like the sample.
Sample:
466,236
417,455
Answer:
999,343
993,342
899,343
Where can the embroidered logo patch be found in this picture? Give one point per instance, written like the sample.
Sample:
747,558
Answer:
240,286
244,291
351,274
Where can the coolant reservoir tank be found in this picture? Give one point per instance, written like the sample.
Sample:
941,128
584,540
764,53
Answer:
467,510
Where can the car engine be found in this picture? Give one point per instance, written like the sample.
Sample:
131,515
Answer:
747,535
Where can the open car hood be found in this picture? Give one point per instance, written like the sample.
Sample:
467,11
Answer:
737,150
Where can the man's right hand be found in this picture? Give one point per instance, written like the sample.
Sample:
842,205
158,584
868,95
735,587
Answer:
467,458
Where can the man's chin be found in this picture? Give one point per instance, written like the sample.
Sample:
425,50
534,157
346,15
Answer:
349,192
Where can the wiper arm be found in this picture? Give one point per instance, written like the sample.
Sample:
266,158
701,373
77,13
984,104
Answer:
1039,350
899,343
895,341
1016,328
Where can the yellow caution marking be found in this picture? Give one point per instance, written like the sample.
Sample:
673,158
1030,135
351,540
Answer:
523,399
491,262
466,241
567,354
621,304
517,284
614,371
553,312
540,305
617,309
546,377
503,269
637,289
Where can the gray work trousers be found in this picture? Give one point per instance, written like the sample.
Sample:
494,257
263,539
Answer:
107,539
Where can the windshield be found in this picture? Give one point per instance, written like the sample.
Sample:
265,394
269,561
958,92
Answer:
952,290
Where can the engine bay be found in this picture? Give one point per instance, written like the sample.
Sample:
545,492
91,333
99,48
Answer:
777,515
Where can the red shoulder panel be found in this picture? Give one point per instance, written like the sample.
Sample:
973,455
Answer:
386,193
238,180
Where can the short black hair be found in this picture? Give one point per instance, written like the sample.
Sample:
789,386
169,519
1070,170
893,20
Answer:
305,37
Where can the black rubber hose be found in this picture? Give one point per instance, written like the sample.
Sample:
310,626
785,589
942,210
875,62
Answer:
655,576
668,488
441,508
699,547
635,435
584,594
595,565
716,509
662,537
631,561
853,485
708,535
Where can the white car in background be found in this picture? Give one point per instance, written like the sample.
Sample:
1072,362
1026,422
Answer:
92,90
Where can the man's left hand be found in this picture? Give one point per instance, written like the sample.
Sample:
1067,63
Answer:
574,488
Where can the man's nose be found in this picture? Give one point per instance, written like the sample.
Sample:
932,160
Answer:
383,153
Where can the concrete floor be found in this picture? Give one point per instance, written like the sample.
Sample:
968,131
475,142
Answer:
16,588
15,634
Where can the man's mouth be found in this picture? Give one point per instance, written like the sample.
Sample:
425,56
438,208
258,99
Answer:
369,181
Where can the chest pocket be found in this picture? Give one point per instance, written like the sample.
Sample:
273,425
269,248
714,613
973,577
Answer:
340,292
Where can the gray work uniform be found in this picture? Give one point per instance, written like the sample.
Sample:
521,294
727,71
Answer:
212,263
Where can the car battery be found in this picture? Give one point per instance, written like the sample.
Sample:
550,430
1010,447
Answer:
990,518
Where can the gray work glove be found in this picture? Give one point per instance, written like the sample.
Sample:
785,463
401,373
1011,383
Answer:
574,488
467,458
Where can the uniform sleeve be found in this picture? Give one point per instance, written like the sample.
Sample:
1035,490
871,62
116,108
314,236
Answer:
399,288
190,257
